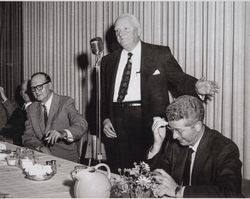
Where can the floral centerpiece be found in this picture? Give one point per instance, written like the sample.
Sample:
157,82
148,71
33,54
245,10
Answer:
137,182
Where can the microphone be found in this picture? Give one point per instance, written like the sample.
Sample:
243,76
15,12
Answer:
96,45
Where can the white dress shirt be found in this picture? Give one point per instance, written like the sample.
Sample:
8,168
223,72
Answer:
134,88
25,105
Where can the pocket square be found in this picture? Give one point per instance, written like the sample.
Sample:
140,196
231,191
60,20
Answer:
157,72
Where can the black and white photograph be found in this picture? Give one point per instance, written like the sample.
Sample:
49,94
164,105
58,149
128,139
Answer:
125,99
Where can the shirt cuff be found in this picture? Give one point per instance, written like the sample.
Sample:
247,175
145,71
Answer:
150,154
202,97
182,191
38,148
4,101
69,137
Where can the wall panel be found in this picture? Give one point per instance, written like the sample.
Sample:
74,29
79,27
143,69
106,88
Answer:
11,61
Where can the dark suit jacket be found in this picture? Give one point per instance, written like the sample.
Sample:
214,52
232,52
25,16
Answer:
62,115
216,169
15,126
154,88
6,110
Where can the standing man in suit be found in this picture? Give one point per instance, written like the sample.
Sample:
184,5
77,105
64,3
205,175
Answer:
128,108
54,126
198,162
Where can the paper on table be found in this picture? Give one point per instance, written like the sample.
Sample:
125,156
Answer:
2,146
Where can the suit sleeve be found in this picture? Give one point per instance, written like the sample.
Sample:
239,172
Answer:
161,160
104,90
78,125
227,180
9,107
180,82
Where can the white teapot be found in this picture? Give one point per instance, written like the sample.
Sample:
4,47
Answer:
91,182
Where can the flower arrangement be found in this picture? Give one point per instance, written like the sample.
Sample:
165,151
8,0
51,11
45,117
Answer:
137,182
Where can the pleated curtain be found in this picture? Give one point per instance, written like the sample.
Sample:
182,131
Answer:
209,39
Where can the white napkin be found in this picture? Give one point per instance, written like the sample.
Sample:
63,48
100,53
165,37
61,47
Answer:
2,146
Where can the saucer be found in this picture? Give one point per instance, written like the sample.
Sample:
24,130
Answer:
39,177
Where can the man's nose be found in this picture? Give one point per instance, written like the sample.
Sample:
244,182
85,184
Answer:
37,91
120,33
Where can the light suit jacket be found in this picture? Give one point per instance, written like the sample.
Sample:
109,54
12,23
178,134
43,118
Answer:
62,115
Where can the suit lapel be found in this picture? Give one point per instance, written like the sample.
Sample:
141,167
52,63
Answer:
40,119
179,163
202,154
115,64
147,67
53,109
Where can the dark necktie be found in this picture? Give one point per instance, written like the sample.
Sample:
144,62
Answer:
45,114
123,90
186,174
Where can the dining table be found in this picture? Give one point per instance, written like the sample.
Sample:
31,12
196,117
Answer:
14,184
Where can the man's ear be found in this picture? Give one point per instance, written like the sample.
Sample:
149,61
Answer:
139,31
198,126
50,86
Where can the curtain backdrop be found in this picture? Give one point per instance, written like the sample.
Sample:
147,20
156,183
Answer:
10,46
210,39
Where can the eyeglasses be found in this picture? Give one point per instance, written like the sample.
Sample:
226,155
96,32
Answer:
180,131
38,87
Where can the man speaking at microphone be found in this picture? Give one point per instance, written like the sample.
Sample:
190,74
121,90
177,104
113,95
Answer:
135,81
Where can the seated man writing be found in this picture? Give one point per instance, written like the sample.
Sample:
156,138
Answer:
53,124
198,161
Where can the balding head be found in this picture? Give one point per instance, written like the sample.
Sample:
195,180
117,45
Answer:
128,31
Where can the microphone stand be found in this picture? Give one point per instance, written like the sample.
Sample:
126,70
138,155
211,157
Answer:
98,106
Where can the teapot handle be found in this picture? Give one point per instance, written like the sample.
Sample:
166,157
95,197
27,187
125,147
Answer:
104,165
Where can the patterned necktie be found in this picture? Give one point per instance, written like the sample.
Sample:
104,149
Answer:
186,174
123,90
45,114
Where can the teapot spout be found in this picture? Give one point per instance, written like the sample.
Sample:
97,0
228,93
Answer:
74,175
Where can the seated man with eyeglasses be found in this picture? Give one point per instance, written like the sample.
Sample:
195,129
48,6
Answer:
198,161
53,124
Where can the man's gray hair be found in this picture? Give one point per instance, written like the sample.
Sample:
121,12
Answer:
134,19
185,107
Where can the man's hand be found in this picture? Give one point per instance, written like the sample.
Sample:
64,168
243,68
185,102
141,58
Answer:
159,130
109,129
2,94
52,136
167,185
204,87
